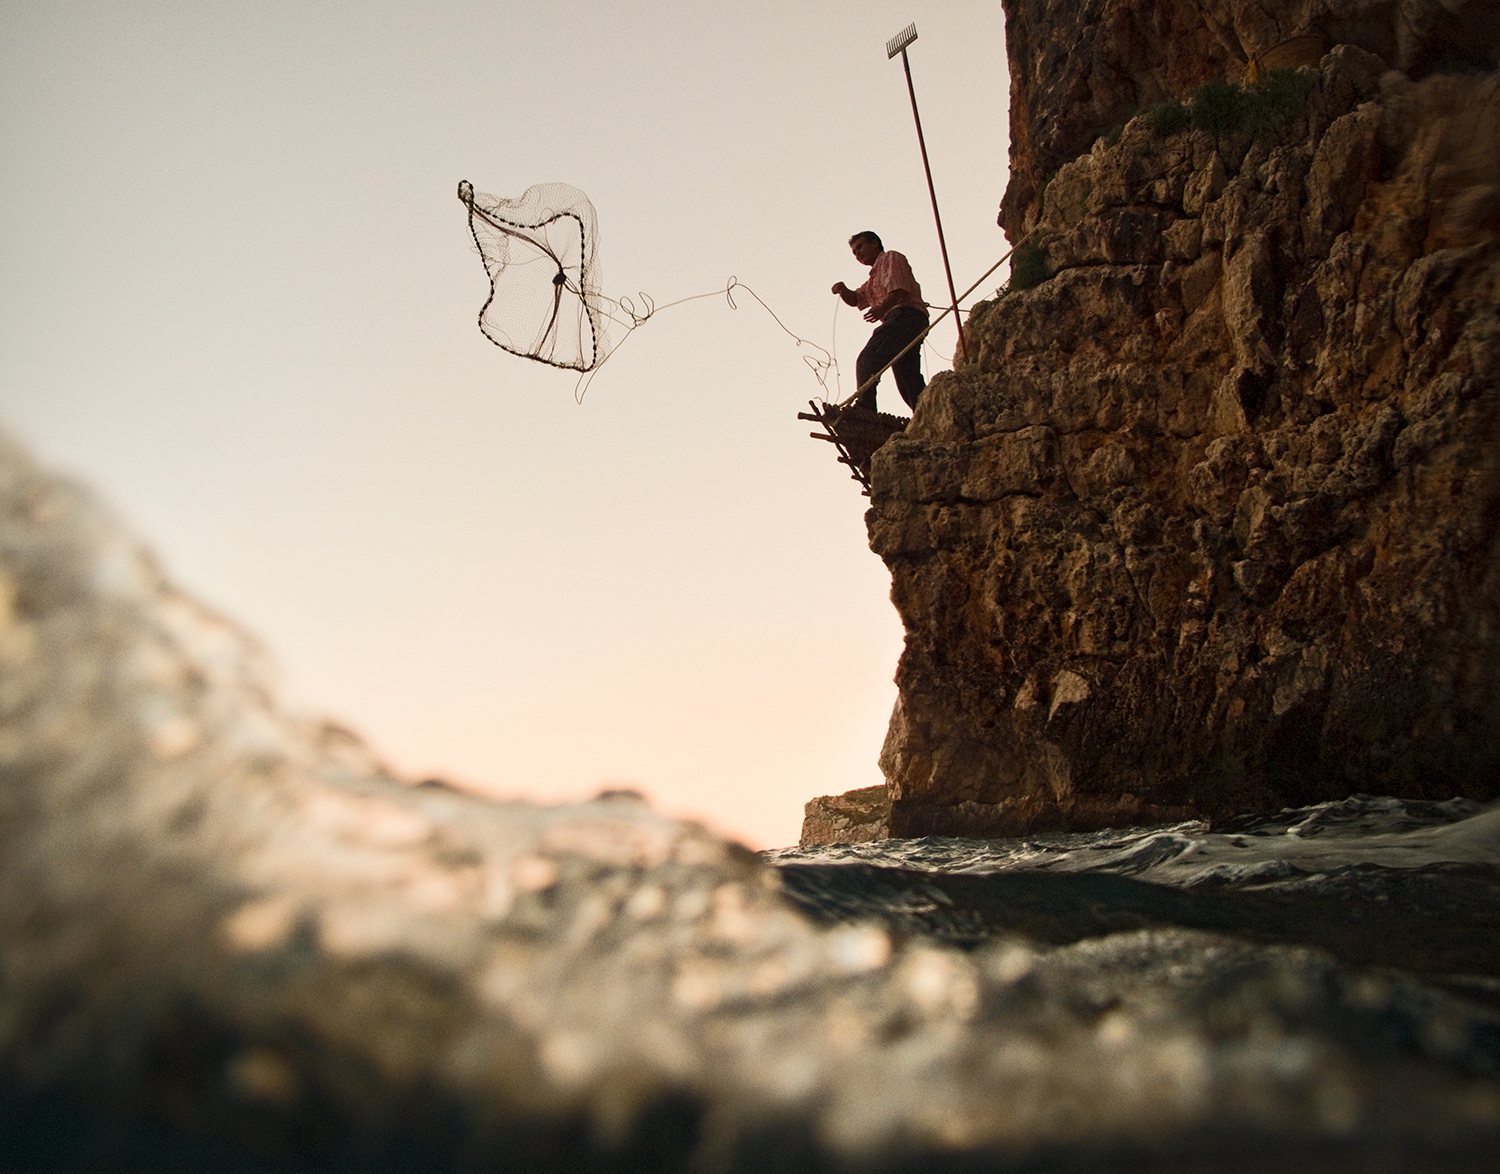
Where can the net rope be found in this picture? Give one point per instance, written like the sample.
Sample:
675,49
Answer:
546,300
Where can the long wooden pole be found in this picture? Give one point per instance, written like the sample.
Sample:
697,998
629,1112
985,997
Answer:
963,348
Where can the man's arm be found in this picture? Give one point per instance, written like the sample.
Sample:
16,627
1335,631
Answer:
850,296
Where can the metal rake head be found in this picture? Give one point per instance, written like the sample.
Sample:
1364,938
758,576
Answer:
901,40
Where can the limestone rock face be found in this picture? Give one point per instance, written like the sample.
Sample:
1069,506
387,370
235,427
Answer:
1082,68
1208,522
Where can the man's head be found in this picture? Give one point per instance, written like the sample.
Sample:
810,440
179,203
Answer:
866,247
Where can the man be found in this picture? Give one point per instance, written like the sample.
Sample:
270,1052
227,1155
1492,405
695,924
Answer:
892,297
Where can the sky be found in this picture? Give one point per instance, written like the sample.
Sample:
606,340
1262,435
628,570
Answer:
238,300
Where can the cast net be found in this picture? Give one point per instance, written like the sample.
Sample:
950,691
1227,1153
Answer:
540,251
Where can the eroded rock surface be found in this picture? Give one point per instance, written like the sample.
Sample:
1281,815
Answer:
1208,523
1080,69
231,941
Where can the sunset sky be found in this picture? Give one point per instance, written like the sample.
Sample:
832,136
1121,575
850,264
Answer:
238,298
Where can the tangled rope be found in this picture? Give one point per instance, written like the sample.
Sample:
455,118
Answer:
624,313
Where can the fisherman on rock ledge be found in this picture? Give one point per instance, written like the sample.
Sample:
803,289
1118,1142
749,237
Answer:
892,297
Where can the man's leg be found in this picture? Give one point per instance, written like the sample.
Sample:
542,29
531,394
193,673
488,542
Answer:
884,345
907,369
870,360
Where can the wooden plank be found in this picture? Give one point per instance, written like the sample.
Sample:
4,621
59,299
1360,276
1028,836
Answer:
855,433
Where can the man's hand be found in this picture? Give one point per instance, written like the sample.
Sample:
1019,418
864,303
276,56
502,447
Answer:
876,313
850,296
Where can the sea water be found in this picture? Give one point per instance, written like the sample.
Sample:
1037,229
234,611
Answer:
1375,881
1303,842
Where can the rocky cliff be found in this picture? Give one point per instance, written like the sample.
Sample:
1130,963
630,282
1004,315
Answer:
1208,522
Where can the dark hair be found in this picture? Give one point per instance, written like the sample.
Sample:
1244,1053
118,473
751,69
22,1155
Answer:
867,235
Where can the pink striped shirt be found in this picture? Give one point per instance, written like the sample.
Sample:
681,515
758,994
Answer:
890,272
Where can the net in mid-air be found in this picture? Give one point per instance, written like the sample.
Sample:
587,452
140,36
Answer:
540,251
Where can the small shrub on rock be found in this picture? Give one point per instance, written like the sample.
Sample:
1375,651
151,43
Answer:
1167,118
1218,107
1274,103
1265,108
1028,267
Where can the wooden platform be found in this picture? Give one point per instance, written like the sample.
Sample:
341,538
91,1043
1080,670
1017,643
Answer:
855,432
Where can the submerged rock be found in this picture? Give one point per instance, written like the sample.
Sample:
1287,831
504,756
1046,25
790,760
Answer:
230,941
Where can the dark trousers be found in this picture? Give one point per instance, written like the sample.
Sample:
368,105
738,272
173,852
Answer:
899,328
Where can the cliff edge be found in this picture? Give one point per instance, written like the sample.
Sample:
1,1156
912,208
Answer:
1208,522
